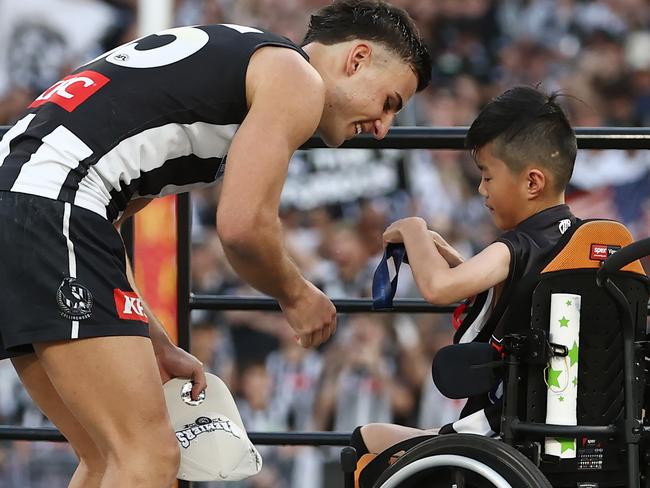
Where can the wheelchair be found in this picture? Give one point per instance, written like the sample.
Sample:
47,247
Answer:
612,435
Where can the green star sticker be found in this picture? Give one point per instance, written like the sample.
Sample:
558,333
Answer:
568,303
553,376
561,398
566,444
564,322
575,381
573,353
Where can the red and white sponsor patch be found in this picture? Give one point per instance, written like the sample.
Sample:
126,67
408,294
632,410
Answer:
129,306
600,252
73,90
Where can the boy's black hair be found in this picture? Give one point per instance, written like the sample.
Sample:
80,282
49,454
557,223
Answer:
526,126
372,20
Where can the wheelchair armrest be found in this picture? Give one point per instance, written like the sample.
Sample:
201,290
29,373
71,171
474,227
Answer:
621,258
464,370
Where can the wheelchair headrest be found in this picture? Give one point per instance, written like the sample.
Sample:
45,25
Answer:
592,243
465,370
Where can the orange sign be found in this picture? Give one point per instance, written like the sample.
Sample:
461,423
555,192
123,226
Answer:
155,260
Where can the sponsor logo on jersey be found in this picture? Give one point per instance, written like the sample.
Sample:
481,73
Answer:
75,300
202,425
73,90
129,306
600,252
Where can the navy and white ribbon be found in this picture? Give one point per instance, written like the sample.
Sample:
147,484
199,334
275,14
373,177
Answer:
384,282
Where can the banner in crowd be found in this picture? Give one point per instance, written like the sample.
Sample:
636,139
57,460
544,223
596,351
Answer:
324,177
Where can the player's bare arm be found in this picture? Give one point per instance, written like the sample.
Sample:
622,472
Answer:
439,283
173,362
286,97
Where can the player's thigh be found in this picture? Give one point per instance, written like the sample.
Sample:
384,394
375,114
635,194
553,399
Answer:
41,390
113,387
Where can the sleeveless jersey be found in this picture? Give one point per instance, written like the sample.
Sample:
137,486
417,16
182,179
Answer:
531,244
152,117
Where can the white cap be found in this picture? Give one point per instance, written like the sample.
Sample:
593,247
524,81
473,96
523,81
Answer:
213,442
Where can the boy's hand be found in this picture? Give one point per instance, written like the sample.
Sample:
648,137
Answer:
395,231
451,255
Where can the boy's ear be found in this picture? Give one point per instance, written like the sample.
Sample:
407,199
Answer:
536,182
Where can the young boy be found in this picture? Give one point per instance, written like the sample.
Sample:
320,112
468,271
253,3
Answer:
525,149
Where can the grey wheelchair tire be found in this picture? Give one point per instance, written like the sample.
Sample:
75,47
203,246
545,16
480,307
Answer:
446,460
481,455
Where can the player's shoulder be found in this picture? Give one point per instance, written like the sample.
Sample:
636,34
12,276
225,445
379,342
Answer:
287,68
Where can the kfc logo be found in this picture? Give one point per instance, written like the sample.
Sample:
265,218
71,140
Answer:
72,90
600,252
129,306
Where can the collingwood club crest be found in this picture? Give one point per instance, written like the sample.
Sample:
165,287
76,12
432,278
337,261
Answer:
206,424
74,299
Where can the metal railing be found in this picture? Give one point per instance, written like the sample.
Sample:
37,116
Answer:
397,138
453,138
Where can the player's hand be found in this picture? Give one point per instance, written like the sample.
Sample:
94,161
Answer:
394,233
174,362
311,315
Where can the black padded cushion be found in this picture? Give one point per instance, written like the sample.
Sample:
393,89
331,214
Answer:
465,370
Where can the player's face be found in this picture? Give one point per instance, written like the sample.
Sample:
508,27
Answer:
504,191
367,100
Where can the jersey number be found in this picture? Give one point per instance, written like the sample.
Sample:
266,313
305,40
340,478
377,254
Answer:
186,41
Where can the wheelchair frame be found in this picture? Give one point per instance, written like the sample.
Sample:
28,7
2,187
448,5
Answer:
517,347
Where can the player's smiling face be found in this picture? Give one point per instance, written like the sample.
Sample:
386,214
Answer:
501,188
367,99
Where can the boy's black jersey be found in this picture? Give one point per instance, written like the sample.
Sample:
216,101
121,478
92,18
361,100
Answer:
531,244
152,117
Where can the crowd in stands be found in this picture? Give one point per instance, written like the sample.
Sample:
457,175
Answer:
336,204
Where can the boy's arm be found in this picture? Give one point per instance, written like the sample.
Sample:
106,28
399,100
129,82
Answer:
446,250
437,281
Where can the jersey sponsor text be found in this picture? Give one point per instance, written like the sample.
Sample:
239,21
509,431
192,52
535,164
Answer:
73,90
129,306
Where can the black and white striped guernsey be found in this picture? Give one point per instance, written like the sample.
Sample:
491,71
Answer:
152,117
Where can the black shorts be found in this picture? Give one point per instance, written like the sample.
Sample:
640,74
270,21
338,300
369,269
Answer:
62,276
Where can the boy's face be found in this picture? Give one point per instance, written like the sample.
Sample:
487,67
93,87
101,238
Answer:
504,191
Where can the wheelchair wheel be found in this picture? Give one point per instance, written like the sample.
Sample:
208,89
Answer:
462,461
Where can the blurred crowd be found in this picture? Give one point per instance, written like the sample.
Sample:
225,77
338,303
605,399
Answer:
336,204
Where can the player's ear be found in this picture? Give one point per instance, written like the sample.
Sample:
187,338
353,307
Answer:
358,56
536,181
